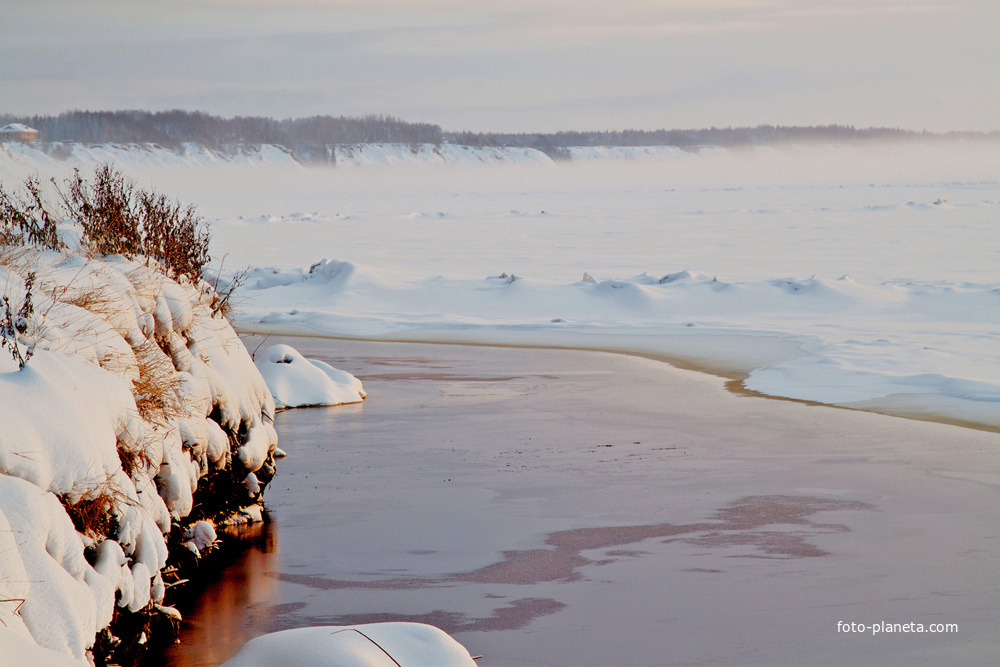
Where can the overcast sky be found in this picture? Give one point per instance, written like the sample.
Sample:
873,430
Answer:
515,65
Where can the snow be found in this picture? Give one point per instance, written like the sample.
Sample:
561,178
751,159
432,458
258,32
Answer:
395,155
860,276
370,645
71,418
856,276
295,381
24,159
846,274
201,536
844,341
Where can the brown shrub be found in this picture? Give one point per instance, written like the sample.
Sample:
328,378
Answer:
119,218
25,219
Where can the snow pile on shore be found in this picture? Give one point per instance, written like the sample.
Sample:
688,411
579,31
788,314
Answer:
369,645
297,382
135,392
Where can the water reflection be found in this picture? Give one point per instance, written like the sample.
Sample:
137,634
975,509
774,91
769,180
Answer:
234,600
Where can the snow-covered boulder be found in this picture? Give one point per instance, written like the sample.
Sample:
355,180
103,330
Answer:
295,381
372,645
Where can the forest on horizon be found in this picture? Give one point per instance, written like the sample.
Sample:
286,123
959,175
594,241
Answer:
312,135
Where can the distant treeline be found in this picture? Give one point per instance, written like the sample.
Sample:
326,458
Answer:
313,137
173,128
761,135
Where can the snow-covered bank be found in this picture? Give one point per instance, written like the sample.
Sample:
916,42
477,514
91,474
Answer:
18,159
835,341
403,155
136,399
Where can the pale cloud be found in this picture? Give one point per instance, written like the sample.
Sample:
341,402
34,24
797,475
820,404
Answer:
515,65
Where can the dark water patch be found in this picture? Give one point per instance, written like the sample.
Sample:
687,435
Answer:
737,524
225,599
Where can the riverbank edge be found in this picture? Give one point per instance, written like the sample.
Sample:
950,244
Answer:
898,405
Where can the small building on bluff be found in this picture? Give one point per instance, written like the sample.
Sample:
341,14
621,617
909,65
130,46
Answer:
17,132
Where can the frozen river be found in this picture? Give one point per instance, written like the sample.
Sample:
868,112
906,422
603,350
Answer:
562,507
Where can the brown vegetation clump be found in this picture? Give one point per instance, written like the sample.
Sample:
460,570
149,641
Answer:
95,515
135,459
25,219
173,235
106,210
13,323
119,218
155,390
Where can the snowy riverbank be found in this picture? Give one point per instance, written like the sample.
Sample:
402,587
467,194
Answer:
24,158
140,419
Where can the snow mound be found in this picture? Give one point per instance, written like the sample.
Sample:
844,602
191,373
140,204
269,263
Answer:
372,645
296,382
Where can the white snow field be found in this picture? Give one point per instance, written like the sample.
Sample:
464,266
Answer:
864,276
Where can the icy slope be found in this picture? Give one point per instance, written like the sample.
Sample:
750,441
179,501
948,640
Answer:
134,394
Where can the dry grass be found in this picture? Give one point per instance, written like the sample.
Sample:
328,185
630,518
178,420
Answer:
97,300
135,458
95,514
25,218
156,390
220,301
14,323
